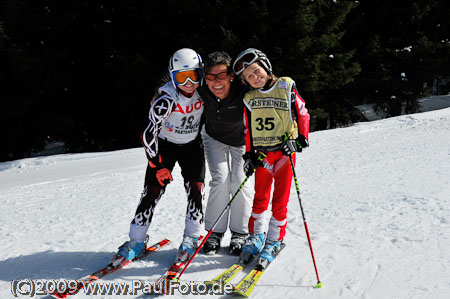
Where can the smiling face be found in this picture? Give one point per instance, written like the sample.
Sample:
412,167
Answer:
219,87
255,75
189,87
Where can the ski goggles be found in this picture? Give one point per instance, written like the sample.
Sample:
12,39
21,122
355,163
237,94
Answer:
220,76
244,61
182,77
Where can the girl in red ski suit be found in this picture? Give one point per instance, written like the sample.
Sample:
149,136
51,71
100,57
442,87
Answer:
276,126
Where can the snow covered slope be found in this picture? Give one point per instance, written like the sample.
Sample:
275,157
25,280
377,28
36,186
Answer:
376,197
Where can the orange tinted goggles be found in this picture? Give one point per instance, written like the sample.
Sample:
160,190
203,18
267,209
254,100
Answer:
220,76
182,77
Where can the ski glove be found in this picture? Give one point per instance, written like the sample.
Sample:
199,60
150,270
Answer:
251,162
163,175
290,146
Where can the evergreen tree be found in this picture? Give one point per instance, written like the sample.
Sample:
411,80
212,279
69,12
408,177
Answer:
401,47
308,48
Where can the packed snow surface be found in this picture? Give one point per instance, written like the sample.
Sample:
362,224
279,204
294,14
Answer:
376,197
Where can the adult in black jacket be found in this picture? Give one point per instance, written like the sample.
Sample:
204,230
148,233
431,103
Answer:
224,145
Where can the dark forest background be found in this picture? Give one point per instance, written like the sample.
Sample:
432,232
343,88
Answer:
83,72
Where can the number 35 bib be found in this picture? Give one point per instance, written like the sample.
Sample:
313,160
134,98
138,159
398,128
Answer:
271,115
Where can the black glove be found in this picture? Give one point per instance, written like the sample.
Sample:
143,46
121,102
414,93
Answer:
290,146
251,162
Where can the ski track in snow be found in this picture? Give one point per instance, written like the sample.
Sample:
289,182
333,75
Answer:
375,196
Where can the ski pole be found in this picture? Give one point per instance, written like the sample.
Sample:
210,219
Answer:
260,158
319,284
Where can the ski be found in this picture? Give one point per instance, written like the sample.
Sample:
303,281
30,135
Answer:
163,283
227,275
173,273
110,268
246,285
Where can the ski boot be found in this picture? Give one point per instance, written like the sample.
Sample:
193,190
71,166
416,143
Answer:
212,245
187,248
236,243
269,253
270,250
252,247
128,251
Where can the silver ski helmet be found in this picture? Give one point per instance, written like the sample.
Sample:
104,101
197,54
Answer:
185,65
249,56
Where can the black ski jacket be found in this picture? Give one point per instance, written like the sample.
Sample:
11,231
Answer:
223,118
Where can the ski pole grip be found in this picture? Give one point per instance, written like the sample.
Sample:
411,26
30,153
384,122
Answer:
261,156
260,159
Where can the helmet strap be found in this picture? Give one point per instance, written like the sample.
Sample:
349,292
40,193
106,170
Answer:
269,83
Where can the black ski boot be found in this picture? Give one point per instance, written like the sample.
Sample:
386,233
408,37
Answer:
236,243
212,245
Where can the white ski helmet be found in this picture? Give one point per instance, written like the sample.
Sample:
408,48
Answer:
249,56
184,60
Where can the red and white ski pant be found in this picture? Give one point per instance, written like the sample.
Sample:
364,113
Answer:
276,169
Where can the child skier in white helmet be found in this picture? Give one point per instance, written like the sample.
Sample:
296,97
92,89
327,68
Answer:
172,136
